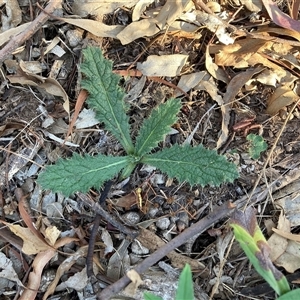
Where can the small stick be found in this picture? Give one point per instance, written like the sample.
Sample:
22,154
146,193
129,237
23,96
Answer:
21,38
220,213
108,217
90,253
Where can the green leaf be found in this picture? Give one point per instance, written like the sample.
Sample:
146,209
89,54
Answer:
106,97
81,173
258,145
149,296
292,295
195,165
254,244
185,288
157,126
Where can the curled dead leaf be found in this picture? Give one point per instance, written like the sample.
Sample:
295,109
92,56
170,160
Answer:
282,97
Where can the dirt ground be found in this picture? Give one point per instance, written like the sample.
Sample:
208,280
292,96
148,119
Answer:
39,92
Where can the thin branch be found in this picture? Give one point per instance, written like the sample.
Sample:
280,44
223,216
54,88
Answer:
221,212
96,207
21,38
90,254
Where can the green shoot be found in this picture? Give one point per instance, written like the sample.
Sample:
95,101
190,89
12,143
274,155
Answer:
254,244
257,145
185,288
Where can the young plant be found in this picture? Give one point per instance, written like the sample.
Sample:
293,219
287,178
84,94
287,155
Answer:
185,288
195,165
257,145
254,244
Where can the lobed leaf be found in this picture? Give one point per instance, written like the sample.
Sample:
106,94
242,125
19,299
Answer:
106,97
254,244
157,126
81,173
196,165
257,146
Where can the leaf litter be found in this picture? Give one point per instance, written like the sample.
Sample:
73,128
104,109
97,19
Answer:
231,63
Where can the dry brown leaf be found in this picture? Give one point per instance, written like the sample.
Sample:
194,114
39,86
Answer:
233,88
189,81
215,25
51,235
287,235
12,16
238,55
290,259
7,270
213,68
139,9
136,282
148,27
268,77
126,201
276,242
282,97
95,27
77,282
51,85
63,267
279,17
252,5
79,103
280,31
135,30
6,35
165,65
35,276
211,89
84,8
32,244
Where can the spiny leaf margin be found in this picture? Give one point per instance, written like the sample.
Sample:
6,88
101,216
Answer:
80,173
105,96
157,126
196,165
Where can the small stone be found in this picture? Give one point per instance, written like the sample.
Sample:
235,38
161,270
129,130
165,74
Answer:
74,37
163,223
288,148
138,248
152,212
131,217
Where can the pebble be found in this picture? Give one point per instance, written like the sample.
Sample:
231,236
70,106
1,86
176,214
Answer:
138,248
163,223
74,37
152,212
131,217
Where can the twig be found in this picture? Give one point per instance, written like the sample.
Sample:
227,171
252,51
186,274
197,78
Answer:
89,257
20,39
106,216
221,212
